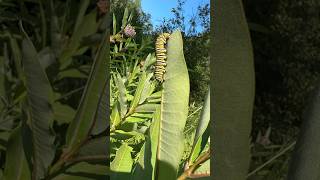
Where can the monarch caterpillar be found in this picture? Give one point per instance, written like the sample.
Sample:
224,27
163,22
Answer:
161,56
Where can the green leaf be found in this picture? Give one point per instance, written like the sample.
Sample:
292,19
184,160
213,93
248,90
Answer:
202,132
63,113
147,89
122,164
88,26
72,73
114,24
151,59
2,83
147,108
16,52
145,168
80,17
85,117
40,98
122,95
233,91
16,166
115,116
174,110
305,161
102,120
84,171
138,92
4,136
95,149
125,18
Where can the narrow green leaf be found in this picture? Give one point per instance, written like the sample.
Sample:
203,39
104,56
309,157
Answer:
125,18
122,95
16,52
85,116
16,166
88,26
55,34
202,132
138,92
114,24
147,108
115,115
72,73
122,164
148,86
2,83
174,110
40,98
233,91
102,120
80,17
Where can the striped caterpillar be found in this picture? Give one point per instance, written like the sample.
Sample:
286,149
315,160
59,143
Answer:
161,56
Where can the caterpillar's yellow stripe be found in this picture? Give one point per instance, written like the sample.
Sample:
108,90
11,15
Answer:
161,56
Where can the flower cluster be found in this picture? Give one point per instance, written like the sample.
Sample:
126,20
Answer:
129,31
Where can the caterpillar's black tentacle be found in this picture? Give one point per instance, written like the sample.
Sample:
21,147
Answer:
161,56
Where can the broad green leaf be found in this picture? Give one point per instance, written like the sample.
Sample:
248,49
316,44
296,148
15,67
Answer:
174,110
40,98
16,166
305,162
145,168
233,91
85,116
84,171
122,164
202,132
63,113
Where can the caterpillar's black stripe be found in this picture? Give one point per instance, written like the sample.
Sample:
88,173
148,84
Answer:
161,56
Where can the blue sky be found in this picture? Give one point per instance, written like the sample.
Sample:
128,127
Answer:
160,9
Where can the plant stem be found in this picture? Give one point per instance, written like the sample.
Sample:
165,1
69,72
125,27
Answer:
66,156
188,173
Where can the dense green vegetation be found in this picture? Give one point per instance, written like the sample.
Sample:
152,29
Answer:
155,133
53,94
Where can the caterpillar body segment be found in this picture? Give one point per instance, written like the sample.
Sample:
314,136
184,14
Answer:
161,56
